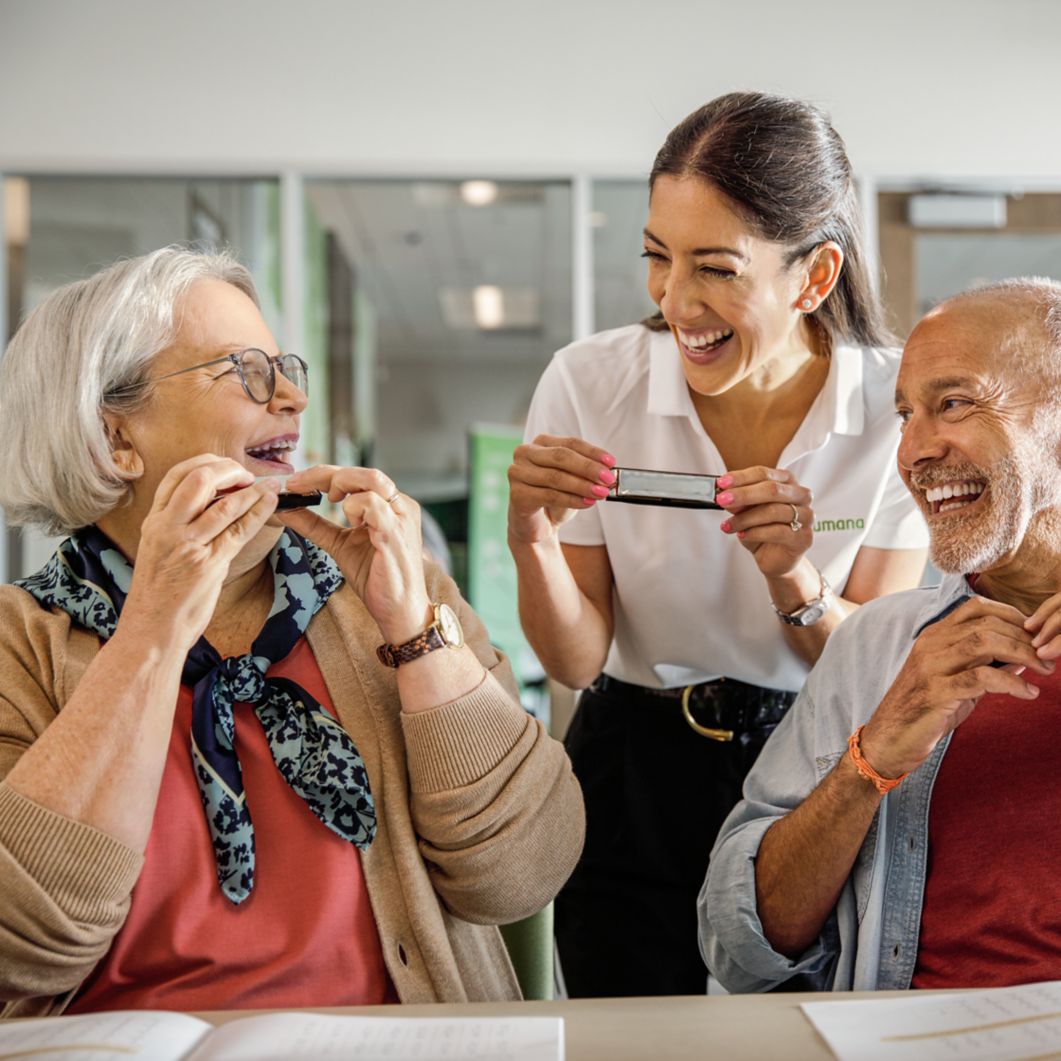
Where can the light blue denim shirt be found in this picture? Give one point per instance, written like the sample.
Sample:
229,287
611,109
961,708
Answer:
870,940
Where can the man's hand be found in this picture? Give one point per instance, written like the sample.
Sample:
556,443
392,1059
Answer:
1044,624
981,647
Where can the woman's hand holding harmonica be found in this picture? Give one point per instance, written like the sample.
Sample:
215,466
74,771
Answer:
771,514
550,479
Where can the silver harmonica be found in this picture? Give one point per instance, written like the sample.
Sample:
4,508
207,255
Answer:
642,486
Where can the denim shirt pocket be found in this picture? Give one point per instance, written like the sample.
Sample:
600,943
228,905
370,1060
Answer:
862,871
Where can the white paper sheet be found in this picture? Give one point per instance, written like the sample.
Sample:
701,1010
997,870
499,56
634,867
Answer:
310,1035
118,1036
1001,1024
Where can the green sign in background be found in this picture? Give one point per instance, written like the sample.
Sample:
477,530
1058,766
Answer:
492,593
491,570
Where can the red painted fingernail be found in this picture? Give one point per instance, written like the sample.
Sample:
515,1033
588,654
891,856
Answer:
608,477
600,491
741,535
587,501
723,481
725,527
609,460
724,498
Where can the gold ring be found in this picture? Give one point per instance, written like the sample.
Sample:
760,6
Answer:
795,526
704,731
394,497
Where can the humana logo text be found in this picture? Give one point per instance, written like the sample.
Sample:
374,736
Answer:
838,525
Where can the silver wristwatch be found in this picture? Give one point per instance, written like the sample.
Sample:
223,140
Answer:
809,613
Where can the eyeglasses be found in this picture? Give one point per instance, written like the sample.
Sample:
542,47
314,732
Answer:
257,372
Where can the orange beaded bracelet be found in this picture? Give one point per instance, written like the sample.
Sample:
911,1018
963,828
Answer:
883,785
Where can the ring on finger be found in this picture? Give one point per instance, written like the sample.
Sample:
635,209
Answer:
794,525
394,497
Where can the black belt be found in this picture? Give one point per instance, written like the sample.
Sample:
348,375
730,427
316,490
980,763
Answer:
721,710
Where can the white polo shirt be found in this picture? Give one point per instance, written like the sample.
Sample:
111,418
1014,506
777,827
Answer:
690,605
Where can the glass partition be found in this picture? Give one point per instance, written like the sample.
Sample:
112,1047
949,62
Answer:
446,299
936,244
620,208
445,302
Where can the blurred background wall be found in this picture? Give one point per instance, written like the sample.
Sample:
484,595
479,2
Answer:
950,87
436,196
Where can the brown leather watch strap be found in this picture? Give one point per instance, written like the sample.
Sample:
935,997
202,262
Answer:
396,655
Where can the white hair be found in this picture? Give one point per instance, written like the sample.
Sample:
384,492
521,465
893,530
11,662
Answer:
85,350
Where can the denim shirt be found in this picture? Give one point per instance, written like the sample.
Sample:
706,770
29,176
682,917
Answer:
870,939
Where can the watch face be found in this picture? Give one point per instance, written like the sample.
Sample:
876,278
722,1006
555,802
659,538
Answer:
813,613
450,626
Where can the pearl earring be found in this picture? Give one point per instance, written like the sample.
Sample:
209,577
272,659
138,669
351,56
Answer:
806,304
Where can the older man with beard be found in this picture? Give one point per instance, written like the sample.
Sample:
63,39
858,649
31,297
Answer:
899,828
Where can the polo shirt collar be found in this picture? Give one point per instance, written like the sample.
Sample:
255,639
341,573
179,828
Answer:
839,409
668,393
844,389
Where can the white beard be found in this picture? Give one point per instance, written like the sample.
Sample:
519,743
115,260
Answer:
1018,487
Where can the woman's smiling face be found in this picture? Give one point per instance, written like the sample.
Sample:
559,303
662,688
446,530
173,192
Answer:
206,410
726,293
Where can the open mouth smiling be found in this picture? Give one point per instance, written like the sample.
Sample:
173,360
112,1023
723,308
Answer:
703,347
949,497
707,340
274,452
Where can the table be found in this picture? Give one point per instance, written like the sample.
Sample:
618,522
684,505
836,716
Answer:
678,1028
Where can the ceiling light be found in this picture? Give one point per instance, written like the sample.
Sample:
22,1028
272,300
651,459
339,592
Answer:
491,309
489,306
479,193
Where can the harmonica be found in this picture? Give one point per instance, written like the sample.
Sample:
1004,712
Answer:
289,499
642,486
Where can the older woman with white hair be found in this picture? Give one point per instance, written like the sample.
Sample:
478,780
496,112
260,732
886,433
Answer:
235,770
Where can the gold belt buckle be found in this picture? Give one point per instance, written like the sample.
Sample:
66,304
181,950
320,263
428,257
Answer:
722,735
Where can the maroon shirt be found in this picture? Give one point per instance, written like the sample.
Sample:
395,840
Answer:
992,906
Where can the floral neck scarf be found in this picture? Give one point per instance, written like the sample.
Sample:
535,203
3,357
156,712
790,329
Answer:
88,578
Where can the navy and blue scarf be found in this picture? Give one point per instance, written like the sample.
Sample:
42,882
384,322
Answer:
88,578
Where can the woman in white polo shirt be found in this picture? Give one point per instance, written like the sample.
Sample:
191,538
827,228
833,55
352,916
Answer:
692,630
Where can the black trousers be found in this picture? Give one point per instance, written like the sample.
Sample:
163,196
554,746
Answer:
656,793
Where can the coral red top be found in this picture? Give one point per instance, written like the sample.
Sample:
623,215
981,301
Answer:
304,937
992,910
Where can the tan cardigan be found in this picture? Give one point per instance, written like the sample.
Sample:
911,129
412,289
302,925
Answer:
480,818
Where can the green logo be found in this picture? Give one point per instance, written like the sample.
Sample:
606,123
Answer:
822,525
